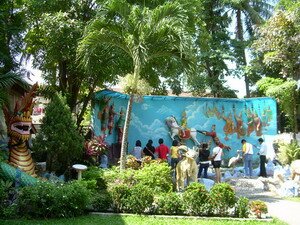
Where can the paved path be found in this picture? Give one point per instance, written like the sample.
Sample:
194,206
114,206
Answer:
287,211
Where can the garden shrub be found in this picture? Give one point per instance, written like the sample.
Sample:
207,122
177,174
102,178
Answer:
8,195
222,198
196,200
50,200
102,201
119,194
95,173
289,152
58,137
140,199
258,207
155,175
169,204
114,177
242,209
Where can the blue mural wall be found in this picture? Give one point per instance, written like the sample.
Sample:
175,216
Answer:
235,119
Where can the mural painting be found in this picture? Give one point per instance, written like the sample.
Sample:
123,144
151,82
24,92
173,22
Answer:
219,121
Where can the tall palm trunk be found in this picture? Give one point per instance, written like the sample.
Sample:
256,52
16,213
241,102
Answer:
136,75
241,50
125,133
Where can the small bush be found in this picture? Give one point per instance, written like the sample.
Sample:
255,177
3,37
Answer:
156,176
169,204
258,207
101,201
196,200
119,194
289,152
95,173
222,198
8,194
49,200
140,199
242,209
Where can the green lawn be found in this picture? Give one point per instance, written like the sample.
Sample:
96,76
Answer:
294,199
132,220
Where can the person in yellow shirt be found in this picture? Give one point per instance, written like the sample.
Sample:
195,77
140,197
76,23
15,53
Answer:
247,155
174,154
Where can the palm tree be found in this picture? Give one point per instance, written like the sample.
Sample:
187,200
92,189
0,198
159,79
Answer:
247,13
144,35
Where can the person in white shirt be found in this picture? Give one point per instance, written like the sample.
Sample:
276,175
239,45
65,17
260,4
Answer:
262,156
216,161
137,151
247,153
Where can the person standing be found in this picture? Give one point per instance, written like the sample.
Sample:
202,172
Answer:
203,160
247,153
162,150
263,157
216,161
174,154
149,149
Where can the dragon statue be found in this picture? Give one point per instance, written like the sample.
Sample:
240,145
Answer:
19,123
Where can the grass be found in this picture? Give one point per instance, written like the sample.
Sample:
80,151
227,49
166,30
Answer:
135,219
294,199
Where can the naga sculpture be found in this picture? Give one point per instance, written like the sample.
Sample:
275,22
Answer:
19,123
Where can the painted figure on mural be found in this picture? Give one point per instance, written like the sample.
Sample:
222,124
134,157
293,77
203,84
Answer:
250,122
184,129
229,125
111,117
211,133
266,117
120,125
103,115
240,129
220,144
257,124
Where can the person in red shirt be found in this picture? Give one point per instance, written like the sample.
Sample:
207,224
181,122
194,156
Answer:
162,151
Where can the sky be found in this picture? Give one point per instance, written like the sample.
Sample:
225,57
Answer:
233,82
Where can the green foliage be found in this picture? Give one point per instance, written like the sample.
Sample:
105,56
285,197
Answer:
48,200
285,91
288,152
196,200
101,201
58,137
155,175
140,199
242,208
119,194
96,174
222,197
8,194
169,204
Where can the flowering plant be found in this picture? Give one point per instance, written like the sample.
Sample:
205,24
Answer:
96,146
258,207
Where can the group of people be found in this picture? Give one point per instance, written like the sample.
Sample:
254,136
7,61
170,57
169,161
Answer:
162,151
248,157
216,158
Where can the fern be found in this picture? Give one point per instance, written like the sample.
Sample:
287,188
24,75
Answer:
289,152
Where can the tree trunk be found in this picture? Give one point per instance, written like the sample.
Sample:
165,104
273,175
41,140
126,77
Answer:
84,105
125,133
241,51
